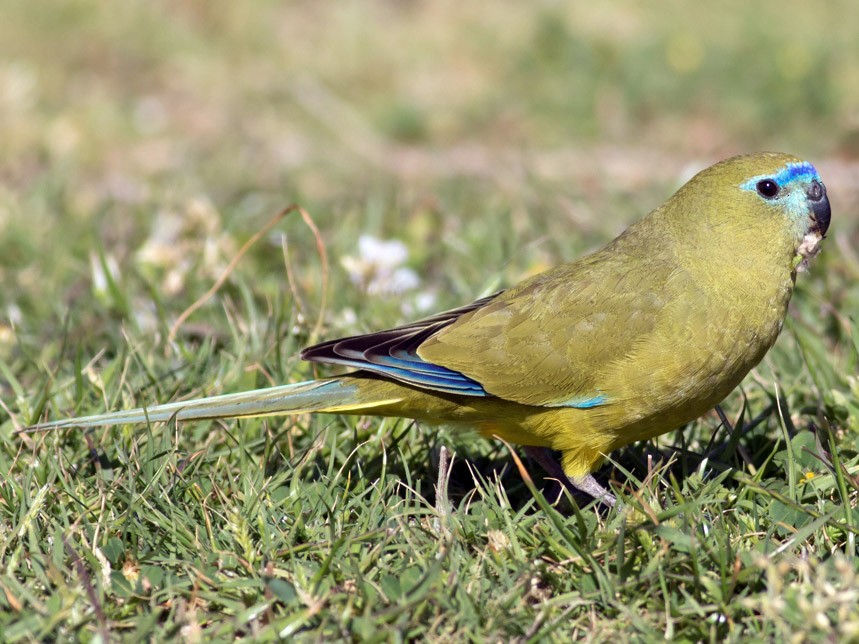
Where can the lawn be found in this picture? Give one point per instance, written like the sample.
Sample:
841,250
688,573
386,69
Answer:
442,150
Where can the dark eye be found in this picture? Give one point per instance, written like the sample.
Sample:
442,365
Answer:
767,188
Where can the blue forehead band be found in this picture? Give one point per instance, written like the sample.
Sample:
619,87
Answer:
790,172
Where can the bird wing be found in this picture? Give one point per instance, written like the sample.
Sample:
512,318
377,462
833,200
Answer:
547,342
393,353
556,340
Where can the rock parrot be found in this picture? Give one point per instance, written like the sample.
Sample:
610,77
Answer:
631,341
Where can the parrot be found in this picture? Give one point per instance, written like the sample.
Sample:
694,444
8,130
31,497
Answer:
631,341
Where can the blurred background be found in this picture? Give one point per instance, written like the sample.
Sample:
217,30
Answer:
465,144
444,150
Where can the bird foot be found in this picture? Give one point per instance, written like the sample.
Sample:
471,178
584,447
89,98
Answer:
588,484
545,458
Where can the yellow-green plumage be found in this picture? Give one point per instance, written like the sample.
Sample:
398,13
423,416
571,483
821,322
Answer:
634,340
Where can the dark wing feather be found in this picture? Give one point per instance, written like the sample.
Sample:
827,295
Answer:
393,353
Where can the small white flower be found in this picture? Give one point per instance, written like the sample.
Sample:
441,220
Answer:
425,302
379,269
399,281
385,253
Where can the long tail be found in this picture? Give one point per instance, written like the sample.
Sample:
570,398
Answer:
335,395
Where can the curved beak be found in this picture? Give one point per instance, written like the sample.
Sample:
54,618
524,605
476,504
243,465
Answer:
820,210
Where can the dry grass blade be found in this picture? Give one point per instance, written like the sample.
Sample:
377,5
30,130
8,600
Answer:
320,247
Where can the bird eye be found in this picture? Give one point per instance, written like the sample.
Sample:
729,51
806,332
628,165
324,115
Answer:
767,188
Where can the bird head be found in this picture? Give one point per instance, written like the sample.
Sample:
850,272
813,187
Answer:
765,198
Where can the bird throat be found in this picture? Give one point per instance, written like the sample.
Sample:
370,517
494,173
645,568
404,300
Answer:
808,249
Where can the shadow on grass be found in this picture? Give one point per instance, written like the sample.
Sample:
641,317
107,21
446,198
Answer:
750,447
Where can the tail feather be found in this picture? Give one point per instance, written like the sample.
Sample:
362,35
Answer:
336,395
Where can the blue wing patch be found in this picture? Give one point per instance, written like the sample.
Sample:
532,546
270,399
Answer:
584,403
393,353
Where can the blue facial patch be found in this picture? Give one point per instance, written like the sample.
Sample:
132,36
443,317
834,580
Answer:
791,172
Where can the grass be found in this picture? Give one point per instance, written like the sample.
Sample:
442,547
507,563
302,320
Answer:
143,146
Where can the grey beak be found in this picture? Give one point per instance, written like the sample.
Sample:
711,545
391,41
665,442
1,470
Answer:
822,213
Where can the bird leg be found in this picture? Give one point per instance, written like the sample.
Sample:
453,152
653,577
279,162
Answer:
589,485
544,457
